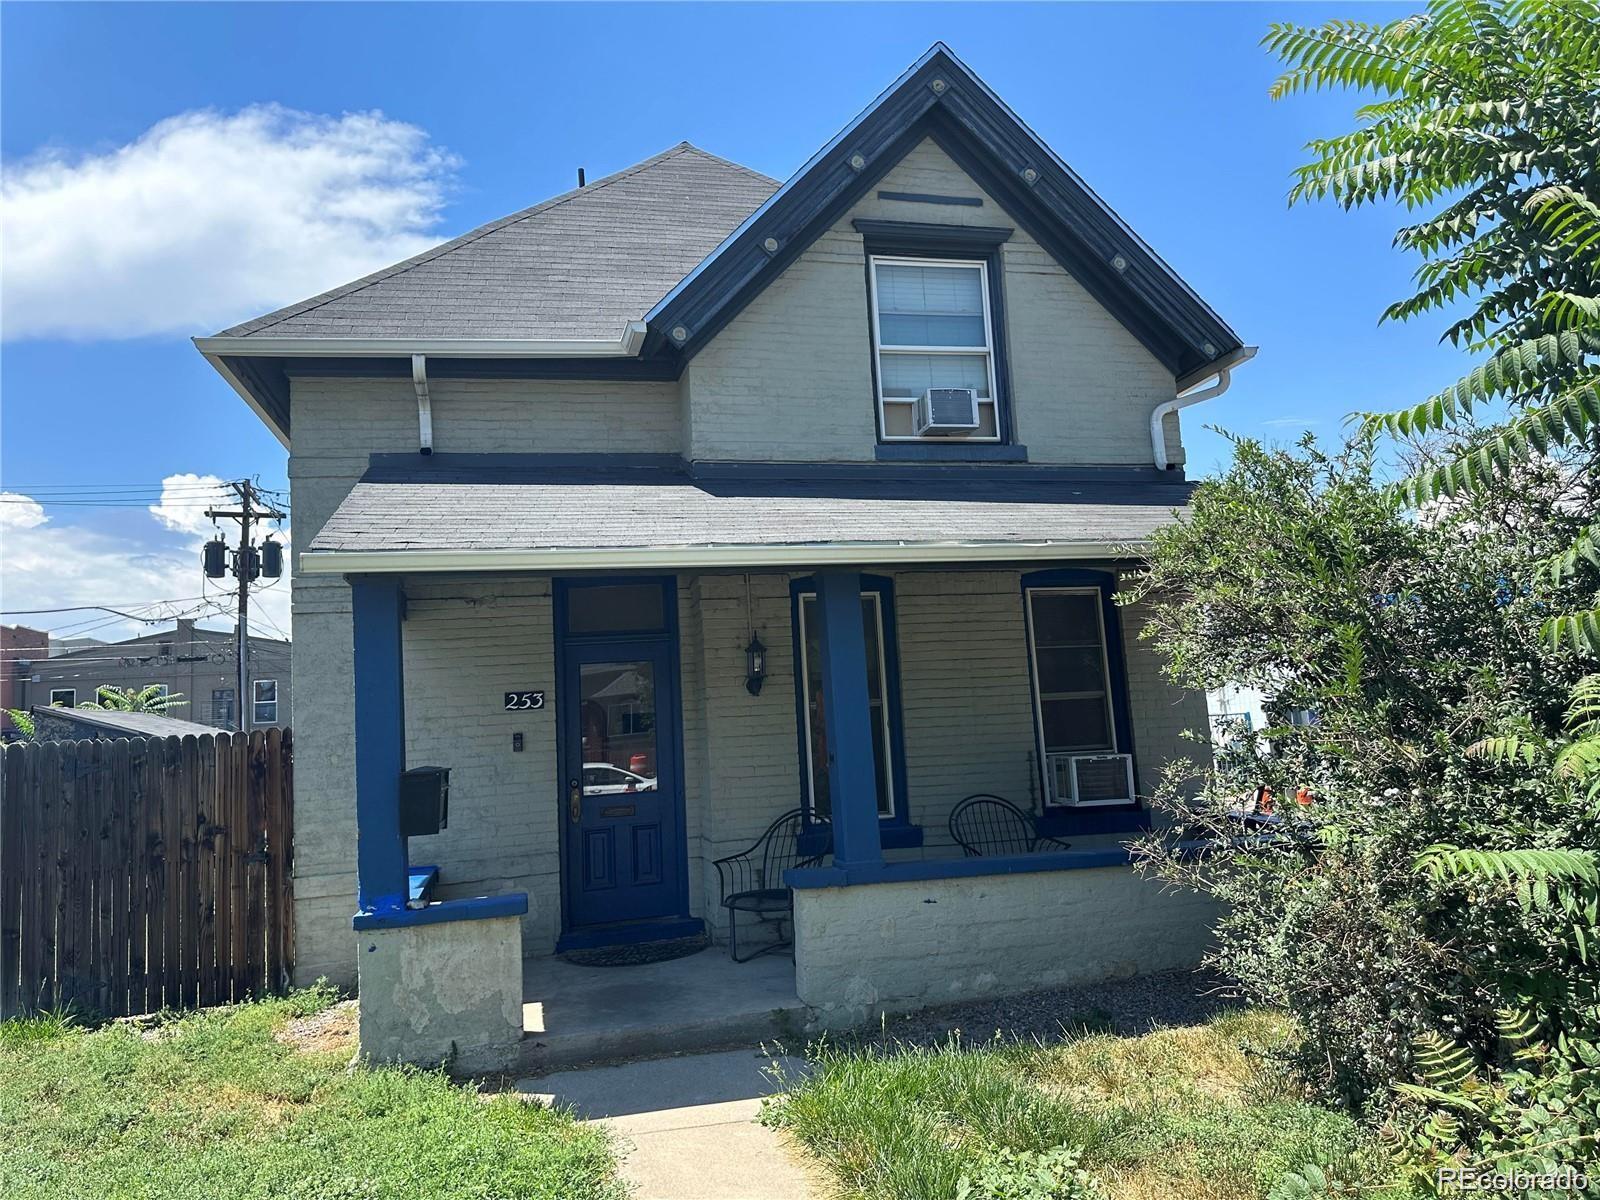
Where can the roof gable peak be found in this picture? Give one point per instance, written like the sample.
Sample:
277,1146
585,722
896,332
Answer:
940,97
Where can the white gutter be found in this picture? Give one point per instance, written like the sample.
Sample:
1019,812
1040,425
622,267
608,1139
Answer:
793,554
419,380
1189,393
625,346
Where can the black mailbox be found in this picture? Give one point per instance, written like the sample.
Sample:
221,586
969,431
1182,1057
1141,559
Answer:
424,800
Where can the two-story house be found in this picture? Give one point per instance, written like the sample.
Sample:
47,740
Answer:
688,499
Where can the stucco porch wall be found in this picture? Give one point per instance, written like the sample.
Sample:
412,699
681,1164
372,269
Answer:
446,992
894,946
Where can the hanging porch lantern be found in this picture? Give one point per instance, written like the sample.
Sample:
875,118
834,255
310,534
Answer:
755,666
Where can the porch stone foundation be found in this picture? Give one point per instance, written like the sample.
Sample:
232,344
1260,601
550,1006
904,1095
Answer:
448,993
864,950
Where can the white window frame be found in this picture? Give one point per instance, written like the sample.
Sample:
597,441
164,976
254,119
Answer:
1038,694
162,690
255,704
879,349
70,693
883,711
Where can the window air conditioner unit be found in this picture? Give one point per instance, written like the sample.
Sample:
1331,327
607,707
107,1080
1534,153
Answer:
942,411
1091,778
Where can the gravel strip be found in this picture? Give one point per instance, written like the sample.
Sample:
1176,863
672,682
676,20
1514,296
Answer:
1126,1007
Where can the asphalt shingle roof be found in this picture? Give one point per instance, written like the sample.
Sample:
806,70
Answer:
578,266
515,502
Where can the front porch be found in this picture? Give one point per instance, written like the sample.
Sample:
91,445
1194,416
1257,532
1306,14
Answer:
615,722
595,815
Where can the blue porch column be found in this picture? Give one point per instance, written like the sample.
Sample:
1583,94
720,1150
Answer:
852,774
380,730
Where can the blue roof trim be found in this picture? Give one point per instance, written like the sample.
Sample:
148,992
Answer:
995,481
1039,189
794,180
476,908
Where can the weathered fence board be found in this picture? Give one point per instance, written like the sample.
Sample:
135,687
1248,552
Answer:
142,873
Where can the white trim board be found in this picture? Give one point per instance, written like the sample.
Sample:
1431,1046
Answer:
795,554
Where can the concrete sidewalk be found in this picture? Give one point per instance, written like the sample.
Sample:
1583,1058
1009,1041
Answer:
687,1126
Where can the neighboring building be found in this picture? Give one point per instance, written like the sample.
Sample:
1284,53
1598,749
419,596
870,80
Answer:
195,663
554,477
67,645
19,648
1235,708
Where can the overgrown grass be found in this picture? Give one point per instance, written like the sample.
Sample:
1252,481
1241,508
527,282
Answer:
213,1105
1192,1112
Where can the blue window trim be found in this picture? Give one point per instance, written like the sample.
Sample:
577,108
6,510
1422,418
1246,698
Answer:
896,830
1102,818
905,239
955,451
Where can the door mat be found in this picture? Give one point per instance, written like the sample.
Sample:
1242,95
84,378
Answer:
638,953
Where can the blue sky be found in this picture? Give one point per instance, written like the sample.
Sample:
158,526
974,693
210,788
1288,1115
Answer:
1163,109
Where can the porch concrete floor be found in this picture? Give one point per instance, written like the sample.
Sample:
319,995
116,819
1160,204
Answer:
573,1014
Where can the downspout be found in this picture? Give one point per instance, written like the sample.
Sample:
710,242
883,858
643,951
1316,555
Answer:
419,380
1222,372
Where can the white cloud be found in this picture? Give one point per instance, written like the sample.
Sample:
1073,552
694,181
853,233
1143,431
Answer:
184,500
46,564
209,218
20,512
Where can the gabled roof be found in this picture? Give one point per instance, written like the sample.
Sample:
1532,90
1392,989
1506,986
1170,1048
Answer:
577,267
940,97
630,276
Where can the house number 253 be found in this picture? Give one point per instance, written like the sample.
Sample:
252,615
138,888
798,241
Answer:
520,701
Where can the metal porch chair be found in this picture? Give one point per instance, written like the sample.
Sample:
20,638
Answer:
984,825
752,882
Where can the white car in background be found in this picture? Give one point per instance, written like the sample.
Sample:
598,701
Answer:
605,779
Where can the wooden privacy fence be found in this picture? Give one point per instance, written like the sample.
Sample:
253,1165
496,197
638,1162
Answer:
145,873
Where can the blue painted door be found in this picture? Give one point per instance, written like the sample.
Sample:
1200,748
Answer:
622,800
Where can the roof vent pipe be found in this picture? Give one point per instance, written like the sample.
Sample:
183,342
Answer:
580,176
1221,372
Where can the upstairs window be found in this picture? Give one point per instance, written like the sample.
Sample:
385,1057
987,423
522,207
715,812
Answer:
932,328
63,697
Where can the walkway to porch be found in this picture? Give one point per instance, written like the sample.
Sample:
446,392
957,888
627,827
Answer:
574,1014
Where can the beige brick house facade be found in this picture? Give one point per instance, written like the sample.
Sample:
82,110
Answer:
679,375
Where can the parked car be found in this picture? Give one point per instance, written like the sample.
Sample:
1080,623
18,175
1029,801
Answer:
604,779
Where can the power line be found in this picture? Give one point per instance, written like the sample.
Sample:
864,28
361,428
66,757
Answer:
34,612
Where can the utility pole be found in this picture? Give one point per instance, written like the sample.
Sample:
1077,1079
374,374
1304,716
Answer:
246,567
